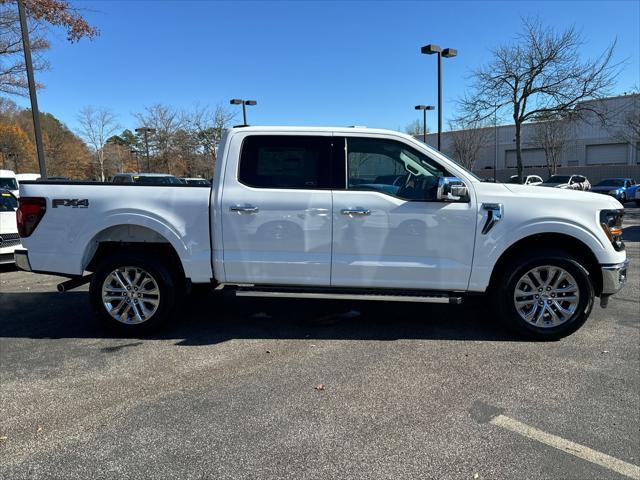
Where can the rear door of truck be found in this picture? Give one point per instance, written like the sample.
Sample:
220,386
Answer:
276,209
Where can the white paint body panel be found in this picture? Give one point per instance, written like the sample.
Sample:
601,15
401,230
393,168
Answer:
300,237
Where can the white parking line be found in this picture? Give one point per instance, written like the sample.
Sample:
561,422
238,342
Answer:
568,446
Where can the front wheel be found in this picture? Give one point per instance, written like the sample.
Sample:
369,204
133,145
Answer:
132,293
548,295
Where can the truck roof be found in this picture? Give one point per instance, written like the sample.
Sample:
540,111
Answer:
354,129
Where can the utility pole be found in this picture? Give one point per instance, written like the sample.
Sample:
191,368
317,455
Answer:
26,46
146,131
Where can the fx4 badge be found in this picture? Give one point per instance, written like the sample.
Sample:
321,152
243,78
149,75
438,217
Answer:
70,202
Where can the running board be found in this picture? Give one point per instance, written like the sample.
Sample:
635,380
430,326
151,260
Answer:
349,296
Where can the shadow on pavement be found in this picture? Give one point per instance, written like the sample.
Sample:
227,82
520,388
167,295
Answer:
206,319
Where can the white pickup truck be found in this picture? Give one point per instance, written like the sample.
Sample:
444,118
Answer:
336,213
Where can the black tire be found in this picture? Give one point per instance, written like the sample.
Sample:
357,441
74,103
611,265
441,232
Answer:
503,294
623,198
637,203
162,274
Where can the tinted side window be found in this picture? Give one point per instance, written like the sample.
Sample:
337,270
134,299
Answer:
283,161
393,168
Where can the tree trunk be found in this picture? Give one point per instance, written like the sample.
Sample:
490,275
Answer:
518,149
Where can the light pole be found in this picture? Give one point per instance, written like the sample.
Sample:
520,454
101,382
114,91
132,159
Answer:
135,153
26,46
447,53
146,131
244,103
424,109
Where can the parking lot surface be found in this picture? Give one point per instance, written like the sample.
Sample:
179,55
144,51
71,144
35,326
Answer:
239,388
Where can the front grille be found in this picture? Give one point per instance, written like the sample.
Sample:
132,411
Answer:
9,240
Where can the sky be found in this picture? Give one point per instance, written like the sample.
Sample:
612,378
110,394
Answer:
306,63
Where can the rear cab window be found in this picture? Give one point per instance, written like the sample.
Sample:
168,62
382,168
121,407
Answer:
286,162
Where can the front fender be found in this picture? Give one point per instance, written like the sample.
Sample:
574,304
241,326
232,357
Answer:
489,248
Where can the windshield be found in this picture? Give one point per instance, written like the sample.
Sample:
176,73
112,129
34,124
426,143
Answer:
514,179
8,183
559,179
168,180
459,165
611,182
8,202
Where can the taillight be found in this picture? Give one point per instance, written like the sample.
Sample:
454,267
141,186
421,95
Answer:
30,212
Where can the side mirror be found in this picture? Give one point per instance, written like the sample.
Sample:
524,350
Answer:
452,189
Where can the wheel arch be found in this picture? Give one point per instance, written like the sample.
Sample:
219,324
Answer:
127,238
558,241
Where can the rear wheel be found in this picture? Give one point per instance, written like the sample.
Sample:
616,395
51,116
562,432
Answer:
132,293
549,295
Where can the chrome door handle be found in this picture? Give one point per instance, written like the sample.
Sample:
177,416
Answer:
355,211
244,209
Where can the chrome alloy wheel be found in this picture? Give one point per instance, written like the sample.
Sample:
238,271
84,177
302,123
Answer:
546,296
130,295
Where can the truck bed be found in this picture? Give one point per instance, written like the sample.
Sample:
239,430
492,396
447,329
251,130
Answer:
79,214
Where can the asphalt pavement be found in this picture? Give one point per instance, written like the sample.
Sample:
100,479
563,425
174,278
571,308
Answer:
245,389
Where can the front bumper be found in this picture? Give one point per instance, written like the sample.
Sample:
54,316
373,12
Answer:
22,260
614,277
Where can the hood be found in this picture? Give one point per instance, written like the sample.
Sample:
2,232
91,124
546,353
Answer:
604,188
561,194
559,185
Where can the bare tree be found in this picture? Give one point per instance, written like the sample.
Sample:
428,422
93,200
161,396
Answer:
625,124
166,121
467,138
207,126
540,73
43,15
414,128
96,127
552,133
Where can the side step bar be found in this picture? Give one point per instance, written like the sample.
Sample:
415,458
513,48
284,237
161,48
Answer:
350,296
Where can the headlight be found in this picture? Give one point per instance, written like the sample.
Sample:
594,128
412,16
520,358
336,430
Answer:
611,223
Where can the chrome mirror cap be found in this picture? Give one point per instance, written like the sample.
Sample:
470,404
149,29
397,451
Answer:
452,189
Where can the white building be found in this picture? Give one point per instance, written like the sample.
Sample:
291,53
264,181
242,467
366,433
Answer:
591,147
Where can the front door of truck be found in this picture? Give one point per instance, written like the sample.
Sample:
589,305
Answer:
389,229
276,210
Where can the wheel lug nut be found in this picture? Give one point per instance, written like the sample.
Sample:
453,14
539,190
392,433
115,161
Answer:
539,289
537,296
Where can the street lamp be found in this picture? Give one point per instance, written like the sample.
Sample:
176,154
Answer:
146,131
244,103
424,109
136,154
447,53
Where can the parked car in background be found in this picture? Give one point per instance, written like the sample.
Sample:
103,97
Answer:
9,238
24,177
622,189
196,181
55,178
526,180
8,181
147,178
571,182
